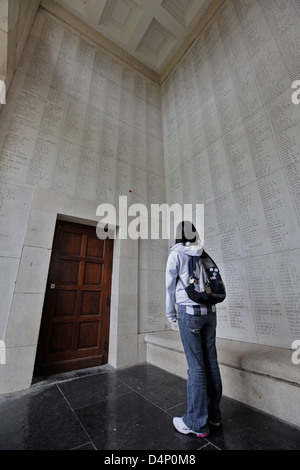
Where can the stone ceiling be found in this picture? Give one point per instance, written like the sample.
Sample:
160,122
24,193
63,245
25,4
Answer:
151,31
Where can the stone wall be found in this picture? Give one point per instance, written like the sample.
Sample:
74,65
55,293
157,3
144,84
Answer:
231,136
80,128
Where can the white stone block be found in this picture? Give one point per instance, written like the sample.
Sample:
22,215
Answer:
127,318
8,274
278,398
128,248
24,320
33,271
14,211
152,301
17,373
128,276
40,229
127,351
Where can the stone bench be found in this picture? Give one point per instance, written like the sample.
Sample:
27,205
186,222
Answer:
263,377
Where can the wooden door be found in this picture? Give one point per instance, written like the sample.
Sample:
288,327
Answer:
75,323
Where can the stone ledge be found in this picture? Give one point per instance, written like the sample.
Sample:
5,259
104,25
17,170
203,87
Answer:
258,359
263,377
265,360
165,339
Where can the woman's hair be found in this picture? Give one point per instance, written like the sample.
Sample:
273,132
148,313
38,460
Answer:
186,232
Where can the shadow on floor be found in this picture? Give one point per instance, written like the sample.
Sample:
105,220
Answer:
127,409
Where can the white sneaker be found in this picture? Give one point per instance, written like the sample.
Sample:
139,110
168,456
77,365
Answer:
183,429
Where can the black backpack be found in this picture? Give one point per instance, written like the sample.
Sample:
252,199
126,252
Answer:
205,284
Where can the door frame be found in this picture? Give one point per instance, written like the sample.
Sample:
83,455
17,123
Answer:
126,346
42,349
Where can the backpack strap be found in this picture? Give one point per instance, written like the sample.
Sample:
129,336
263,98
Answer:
192,265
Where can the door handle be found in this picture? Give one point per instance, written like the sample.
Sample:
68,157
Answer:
52,286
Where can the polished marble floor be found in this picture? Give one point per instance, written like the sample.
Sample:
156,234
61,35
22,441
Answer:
127,409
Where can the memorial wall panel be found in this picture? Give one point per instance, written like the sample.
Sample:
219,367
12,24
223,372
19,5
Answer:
81,123
242,147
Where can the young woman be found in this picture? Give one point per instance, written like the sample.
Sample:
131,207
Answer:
197,326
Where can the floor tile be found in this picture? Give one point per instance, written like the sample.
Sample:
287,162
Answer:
92,388
248,429
39,421
130,422
160,387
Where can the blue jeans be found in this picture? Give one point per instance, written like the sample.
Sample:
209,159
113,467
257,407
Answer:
204,385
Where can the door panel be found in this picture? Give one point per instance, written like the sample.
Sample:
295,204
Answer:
75,323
